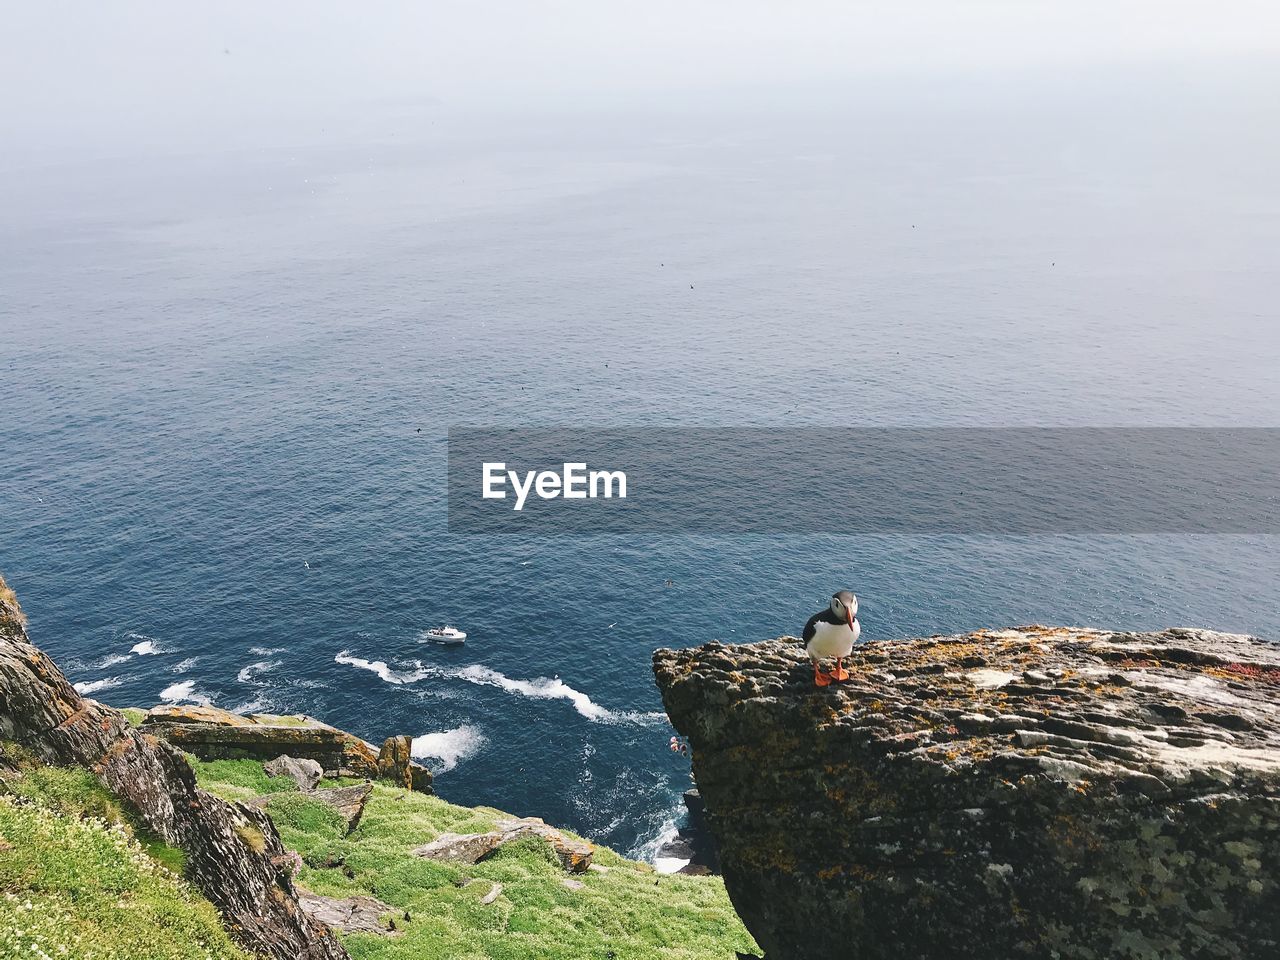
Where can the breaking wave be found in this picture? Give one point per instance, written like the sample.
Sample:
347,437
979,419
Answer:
448,746
184,692
651,850
93,686
185,665
145,645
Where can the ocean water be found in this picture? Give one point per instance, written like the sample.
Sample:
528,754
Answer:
228,374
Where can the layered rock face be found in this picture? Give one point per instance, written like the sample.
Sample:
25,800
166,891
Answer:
233,852
1039,792
213,734
395,763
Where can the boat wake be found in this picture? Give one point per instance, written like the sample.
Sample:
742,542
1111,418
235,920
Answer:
540,688
547,688
381,669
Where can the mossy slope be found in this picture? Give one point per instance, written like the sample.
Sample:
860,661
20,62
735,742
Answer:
624,912
76,882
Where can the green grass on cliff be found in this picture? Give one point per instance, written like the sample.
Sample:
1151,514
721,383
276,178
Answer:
626,912
238,779
77,793
75,882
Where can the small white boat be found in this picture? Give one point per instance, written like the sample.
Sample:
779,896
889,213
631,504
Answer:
446,634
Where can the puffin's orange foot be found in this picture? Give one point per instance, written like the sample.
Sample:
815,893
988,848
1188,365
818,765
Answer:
820,678
839,673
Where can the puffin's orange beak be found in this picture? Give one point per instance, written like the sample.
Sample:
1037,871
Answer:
848,610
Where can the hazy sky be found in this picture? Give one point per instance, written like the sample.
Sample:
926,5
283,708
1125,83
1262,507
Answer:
87,72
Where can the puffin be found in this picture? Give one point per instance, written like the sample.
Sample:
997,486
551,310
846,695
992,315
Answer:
832,633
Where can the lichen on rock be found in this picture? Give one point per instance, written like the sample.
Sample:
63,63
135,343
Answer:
1033,792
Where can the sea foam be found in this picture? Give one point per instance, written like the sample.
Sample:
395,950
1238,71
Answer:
184,691
93,686
448,746
145,645
250,672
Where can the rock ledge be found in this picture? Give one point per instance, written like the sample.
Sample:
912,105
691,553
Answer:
1030,792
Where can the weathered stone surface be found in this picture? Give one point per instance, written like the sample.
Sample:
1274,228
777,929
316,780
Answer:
350,914
213,734
574,855
358,758
395,763
1039,792
233,853
348,801
304,772
194,713
460,847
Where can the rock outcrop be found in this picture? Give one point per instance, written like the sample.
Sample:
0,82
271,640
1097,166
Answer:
213,734
349,802
396,764
305,773
233,852
574,855
350,914
1039,792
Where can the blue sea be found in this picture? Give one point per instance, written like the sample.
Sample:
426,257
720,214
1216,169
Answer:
227,374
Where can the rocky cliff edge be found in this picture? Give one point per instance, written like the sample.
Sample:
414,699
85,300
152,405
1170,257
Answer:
233,852
1033,792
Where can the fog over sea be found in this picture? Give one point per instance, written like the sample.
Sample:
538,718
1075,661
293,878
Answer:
228,373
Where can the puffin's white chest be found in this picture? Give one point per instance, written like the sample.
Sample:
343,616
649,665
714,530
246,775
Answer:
833,639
